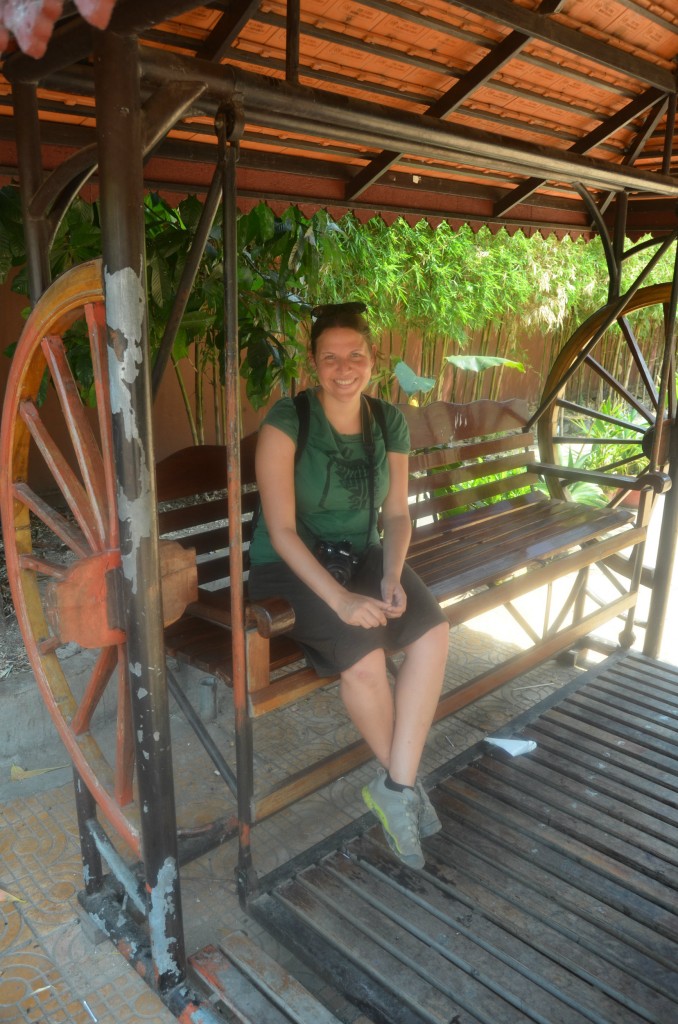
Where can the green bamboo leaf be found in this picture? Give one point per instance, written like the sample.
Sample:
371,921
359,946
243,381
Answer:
410,382
479,363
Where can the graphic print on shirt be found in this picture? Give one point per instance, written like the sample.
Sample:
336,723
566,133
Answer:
351,475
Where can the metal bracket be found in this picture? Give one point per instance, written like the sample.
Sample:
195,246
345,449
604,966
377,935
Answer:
230,122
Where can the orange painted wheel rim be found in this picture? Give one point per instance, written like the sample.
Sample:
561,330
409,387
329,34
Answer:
80,516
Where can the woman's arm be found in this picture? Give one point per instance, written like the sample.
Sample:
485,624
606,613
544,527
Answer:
275,477
397,531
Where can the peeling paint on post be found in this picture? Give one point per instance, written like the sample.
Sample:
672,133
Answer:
162,907
119,131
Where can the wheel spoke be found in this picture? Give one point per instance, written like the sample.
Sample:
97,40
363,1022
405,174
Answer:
82,438
617,386
101,673
64,477
39,565
596,414
624,375
124,745
70,535
639,360
69,598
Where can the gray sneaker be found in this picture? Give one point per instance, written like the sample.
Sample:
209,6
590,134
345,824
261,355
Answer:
399,817
429,822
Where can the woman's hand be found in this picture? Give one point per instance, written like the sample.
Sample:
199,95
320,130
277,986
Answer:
358,610
394,596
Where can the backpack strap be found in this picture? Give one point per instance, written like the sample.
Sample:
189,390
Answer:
303,407
377,410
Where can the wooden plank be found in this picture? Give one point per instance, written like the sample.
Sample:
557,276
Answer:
493,835
647,697
610,853
442,943
442,422
544,962
643,892
363,988
436,993
596,738
612,814
624,725
510,589
510,885
551,887
592,772
281,989
195,513
243,1000
450,568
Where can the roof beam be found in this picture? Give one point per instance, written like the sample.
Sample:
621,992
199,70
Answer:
279,105
452,99
228,28
541,27
594,138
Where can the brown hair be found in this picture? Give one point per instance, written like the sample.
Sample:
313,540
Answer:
339,314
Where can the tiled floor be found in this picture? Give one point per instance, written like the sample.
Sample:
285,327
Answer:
49,969
51,972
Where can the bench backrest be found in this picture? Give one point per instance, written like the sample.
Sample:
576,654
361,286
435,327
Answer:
467,455
193,509
462,455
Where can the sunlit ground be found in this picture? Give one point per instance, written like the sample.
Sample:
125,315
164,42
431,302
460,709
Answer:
501,625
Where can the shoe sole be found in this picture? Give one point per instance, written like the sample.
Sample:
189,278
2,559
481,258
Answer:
390,838
430,830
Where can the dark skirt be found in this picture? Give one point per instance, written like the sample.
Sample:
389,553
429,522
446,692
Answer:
331,646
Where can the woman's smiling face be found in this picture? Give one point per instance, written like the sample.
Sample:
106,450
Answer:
343,362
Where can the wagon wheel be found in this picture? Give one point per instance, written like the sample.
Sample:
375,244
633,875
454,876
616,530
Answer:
604,416
77,526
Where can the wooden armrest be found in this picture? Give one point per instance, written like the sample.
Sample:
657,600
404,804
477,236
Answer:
272,616
660,483
211,611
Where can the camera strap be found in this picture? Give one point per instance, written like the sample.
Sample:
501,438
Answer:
368,444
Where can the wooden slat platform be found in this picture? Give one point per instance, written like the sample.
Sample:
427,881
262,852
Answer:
551,895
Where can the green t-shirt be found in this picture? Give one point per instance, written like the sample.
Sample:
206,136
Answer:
331,478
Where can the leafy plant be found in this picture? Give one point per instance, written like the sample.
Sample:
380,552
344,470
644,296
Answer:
412,384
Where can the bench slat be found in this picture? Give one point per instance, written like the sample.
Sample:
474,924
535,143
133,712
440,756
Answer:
433,457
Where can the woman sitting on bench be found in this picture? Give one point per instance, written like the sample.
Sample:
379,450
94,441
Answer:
326,463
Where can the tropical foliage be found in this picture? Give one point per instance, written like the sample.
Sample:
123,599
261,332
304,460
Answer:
443,294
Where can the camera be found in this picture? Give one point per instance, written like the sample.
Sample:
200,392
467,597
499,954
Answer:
338,559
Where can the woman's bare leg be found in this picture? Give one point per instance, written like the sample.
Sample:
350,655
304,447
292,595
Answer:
396,731
417,691
366,693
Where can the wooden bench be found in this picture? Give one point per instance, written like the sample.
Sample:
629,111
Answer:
483,535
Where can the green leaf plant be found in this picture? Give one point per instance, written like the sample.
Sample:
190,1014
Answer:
413,384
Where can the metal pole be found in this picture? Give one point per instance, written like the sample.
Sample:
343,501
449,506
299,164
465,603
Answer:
666,561
229,127
119,133
86,809
188,275
36,229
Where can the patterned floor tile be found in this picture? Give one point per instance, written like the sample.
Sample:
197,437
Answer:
33,989
49,971
14,932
